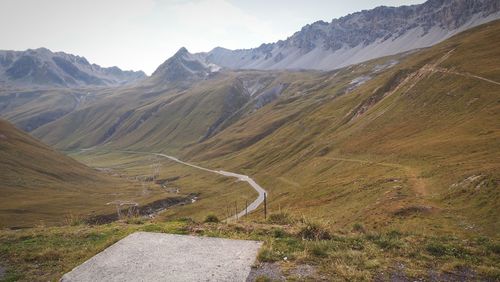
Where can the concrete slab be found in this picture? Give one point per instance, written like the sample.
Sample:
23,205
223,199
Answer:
145,256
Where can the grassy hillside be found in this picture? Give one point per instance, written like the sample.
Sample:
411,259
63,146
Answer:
39,185
166,117
409,140
403,141
415,146
30,108
143,117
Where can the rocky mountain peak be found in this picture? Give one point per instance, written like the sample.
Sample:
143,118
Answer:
181,52
184,66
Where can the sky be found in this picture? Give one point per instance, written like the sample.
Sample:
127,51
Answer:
141,34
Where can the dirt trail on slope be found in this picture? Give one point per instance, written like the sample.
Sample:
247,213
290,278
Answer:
434,67
464,74
418,184
427,70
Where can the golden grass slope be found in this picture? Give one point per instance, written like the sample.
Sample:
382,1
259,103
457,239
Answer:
416,146
39,185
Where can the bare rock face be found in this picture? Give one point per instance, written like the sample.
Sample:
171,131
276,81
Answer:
362,36
42,67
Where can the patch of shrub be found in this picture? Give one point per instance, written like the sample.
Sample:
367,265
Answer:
152,228
267,255
317,251
278,233
386,241
394,234
185,219
439,249
211,218
356,244
495,248
413,210
135,220
358,227
94,236
436,249
73,220
281,218
314,231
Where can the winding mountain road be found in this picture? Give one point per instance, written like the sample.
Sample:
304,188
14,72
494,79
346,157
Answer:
253,206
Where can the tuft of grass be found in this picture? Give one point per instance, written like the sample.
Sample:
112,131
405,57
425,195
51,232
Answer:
440,249
314,231
387,241
319,248
358,227
74,220
212,218
494,247
281,218
135,220
278,233
266,254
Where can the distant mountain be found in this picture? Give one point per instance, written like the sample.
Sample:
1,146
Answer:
184,67
42,67
362,36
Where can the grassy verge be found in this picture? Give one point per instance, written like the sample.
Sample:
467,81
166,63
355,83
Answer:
41,254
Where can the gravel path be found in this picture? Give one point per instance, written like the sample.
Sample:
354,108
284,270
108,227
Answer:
144,256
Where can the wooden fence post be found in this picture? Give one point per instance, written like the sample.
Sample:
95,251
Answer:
265,206
236,210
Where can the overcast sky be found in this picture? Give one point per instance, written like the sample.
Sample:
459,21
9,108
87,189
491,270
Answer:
141,34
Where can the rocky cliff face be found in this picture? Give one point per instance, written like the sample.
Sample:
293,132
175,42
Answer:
362,36
42,67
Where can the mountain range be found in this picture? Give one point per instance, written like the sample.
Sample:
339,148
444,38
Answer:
321,45
42,67
362,36
376,138
403,140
